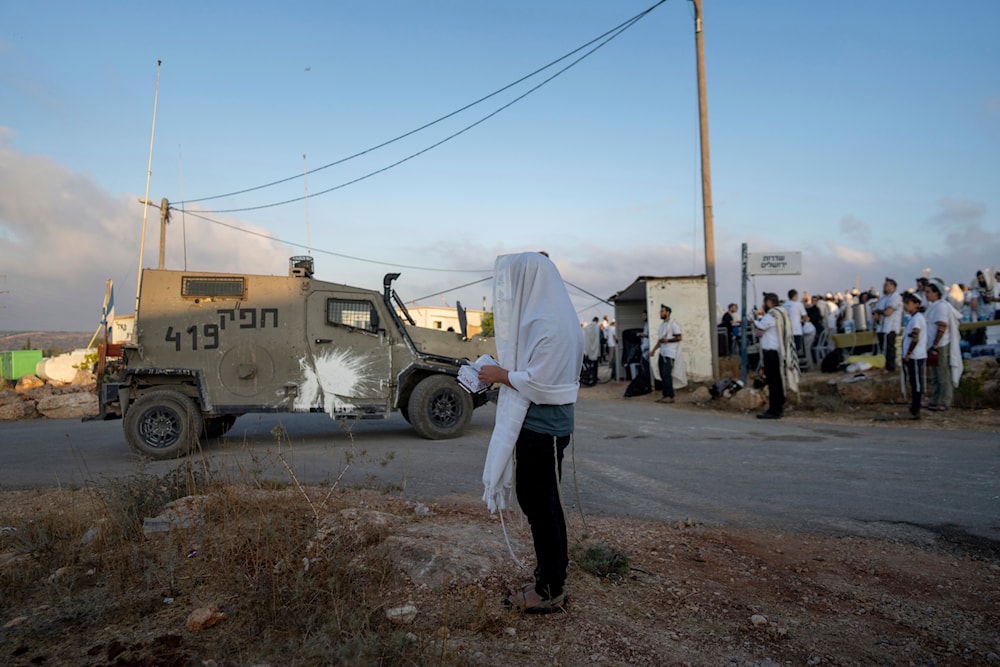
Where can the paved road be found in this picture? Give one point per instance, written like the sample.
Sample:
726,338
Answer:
632,459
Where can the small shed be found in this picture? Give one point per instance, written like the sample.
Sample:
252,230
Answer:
17,363
687,297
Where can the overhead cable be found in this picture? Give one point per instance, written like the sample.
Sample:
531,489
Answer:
452,289
587,293
330,252
614,32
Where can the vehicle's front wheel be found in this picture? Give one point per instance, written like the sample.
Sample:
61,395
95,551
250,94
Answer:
163,424
439,408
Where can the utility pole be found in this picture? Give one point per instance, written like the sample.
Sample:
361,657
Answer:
706,186
164,219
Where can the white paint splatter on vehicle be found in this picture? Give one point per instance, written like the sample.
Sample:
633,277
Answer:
330,380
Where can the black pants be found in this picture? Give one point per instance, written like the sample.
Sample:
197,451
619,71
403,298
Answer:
775,387
666,367
915,374
887,341
538,469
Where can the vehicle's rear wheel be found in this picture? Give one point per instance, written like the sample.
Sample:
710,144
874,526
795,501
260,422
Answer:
216,427
163,424
439,408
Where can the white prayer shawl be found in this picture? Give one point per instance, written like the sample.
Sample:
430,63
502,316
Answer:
954,345
679,370
789,360
592,341
953,335
540,342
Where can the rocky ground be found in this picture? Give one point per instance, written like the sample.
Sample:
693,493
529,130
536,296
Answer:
691,595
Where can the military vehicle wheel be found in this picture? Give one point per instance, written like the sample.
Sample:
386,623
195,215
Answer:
439,408
163,424
216,427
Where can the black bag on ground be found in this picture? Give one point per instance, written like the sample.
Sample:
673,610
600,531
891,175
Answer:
640,383
832,361
727,386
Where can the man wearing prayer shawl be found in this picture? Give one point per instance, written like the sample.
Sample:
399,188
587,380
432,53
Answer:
944,347
540,352
781,366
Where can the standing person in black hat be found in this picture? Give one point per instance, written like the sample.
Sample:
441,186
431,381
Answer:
774,330
668,344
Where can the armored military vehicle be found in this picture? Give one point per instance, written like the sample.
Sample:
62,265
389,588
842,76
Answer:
209,347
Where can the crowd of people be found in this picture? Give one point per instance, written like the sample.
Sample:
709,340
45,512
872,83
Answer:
918,327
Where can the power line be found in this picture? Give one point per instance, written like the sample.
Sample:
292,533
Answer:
330,252
614,32
587,293
391,264
452,289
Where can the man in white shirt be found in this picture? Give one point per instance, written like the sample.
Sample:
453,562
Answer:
667,343
797,314
612,337
981,307
831,314
888,316
771,328
942,339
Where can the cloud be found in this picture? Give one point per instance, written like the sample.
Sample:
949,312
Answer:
853,256
855,229
64,237
957,211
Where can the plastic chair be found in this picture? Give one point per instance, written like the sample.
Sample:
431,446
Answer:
823,346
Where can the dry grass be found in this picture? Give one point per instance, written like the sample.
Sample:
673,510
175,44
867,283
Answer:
80,571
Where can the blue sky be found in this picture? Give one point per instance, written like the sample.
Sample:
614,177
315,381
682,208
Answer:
865,135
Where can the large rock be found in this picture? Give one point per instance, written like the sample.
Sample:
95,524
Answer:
69,406
62,368
443,555
978,387
18,409
872,389
27,383
747,398
701,395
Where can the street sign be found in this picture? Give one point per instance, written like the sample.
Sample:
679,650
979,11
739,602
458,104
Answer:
774,263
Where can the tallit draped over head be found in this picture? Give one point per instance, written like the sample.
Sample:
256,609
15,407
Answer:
540,343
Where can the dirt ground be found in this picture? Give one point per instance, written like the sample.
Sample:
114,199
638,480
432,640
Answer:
813,405
693,595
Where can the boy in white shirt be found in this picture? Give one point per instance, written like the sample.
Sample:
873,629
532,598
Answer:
914,350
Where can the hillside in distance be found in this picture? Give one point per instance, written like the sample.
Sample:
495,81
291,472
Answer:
54,341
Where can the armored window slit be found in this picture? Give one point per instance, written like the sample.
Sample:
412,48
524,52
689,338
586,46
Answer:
202,287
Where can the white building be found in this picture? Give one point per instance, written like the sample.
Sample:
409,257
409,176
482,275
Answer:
687,297
446,319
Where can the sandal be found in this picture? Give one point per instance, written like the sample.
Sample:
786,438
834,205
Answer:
527,601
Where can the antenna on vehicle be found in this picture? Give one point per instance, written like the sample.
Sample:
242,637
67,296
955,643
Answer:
305,184
149,173
184,241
